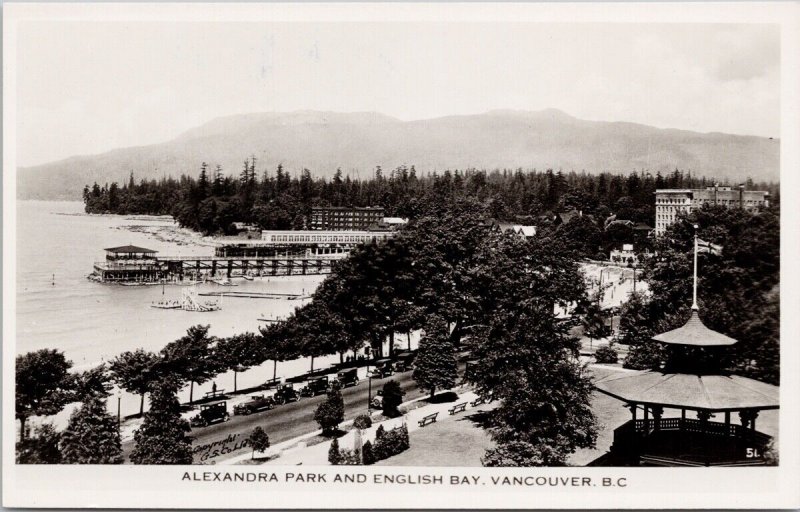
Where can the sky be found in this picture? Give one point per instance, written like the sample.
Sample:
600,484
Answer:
88,87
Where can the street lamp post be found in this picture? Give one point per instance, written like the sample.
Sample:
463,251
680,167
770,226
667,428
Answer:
119,409
369,392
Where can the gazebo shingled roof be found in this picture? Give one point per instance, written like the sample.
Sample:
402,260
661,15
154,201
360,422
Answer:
681,390
694,333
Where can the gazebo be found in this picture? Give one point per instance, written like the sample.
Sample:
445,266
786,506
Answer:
693,381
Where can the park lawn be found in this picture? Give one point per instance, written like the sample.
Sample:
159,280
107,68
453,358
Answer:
458,441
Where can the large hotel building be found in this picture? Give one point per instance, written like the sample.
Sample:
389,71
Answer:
669,202
339,218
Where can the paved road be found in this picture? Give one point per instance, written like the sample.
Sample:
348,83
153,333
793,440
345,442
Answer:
296,418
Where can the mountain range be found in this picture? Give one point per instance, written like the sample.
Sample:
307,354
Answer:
358,142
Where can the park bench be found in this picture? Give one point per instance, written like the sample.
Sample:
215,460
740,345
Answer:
431,418
458,408
478,401
270,383
214,394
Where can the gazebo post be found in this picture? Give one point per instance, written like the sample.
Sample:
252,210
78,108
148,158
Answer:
727,423
658,411
646,420
633,413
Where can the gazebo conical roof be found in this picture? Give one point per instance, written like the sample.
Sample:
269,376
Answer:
695,333
681,390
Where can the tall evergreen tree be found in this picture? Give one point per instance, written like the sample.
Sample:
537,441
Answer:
435,365
162,437
92,435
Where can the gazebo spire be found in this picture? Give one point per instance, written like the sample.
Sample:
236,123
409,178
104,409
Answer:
693,332
694,289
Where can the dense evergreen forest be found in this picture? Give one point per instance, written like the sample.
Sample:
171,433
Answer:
214,200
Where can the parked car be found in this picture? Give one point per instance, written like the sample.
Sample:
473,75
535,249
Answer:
377,400
315,386
383,368
285,394
347,377
404,361
255,404
210,413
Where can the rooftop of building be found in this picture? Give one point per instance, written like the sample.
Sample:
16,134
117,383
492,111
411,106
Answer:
130,249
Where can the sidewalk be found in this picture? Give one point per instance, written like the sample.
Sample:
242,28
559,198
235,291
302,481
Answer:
296,452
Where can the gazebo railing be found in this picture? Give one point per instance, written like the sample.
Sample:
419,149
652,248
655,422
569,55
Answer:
645,427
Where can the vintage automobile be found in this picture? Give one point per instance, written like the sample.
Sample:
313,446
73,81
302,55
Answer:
315,386
285,394
347,377
255,404
383,368
404,361
377,400
210,413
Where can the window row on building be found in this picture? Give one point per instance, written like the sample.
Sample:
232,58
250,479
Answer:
669,202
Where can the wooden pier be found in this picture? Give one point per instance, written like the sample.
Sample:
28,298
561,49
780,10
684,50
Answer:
256,266
131,264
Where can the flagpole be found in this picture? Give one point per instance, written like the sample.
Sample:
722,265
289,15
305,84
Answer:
694,290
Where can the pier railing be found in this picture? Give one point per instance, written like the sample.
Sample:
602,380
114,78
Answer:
110,265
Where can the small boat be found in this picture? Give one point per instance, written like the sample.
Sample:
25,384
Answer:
166,304
223,282
249,278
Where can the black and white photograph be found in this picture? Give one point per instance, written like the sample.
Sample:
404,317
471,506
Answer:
494,253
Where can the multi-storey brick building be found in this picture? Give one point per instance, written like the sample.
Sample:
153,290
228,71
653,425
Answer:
670,202
338,218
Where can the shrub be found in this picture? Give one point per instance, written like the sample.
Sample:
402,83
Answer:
645,356
40,449
379,433
362,422
351,457
367,457
334,454
259,440
330,412
606,354
392,398
390,443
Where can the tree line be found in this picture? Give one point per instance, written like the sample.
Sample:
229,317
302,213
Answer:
211,202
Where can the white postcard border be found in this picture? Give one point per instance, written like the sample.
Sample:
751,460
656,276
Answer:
168,487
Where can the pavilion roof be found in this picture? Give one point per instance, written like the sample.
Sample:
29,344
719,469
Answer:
130,249
694,333
681,390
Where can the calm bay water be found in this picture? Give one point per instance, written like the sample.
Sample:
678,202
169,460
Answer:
57,307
